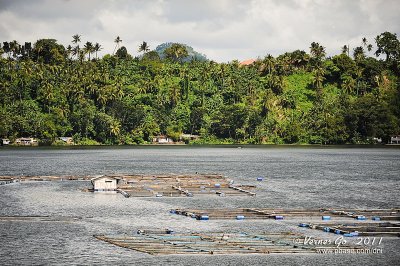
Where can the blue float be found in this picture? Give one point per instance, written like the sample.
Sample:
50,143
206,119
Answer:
355,233
348,234
326,217
260,178
361,218
376,218
327,229
303,225
240,217
204,217
278,217
338,232
217,185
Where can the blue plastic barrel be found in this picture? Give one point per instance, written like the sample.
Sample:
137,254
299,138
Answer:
278,217
217,185
326,217
260,178
204,217
361,218
240,217
303,225
376,218
172,211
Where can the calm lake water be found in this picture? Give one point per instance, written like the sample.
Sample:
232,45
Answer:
295,177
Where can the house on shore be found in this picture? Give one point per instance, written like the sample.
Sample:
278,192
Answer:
4,142
395,140
26,142
105,183
162,139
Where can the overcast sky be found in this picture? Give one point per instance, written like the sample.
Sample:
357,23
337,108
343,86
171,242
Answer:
224,30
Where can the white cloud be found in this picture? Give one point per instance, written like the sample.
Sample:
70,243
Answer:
222,29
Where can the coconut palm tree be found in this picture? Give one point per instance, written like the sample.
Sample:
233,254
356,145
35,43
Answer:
144,47
358,53
346,50
117,42
97,48
88,49
75,40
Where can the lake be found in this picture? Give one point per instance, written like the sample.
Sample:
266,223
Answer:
294,177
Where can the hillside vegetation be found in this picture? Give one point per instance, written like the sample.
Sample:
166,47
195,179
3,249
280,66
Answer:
49,90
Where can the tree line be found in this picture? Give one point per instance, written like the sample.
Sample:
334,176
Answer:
49,90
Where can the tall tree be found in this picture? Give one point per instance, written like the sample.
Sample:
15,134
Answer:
117,42
88,49
144,47
388,44
97,48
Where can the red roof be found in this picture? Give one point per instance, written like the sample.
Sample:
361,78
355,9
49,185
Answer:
247,62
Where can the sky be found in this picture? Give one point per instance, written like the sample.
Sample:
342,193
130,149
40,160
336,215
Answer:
224,30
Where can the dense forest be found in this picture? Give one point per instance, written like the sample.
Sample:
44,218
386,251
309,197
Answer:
49,90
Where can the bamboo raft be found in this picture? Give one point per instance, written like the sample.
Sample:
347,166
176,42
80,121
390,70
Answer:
167,243
181,185
39,219
279,214
358,229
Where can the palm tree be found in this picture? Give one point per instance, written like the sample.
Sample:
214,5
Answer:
144,47
345,49
364,41
358,53
97,48
88,49
117,42
75,40
317,50
115,128
318,78
269,63
348,84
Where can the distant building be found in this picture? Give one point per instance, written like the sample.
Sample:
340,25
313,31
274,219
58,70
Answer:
162,140
4,142
105,183
395,140
26,142
377,140
247,62
67,140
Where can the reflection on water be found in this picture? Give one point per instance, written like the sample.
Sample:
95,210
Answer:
294,177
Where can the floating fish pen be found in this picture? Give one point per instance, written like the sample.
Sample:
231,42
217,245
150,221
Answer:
180,186
39,219
358,229
43,178
280,214
167,243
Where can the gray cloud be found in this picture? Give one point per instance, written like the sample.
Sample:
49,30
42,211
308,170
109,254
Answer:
222,29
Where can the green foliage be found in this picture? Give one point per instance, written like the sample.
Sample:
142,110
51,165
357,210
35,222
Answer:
50,91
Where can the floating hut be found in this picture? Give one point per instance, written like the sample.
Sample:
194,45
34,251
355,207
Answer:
105,183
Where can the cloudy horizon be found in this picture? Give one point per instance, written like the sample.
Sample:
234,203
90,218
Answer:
223,30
